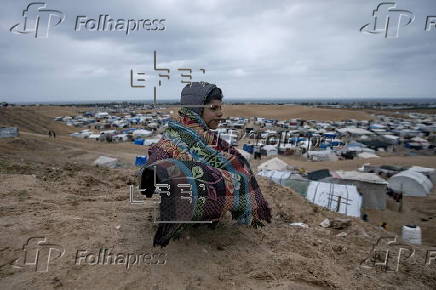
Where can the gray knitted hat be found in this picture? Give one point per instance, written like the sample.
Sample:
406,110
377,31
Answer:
196,94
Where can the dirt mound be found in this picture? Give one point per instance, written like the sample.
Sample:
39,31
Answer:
29,119
85,209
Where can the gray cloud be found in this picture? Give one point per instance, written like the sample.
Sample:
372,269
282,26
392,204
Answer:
256,49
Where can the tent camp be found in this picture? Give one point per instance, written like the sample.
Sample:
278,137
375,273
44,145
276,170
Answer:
343,199
372,187
273,164
410,183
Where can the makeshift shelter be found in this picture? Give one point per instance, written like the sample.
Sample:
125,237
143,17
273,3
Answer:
273,164
275,175
141,133
372,187
343,199
319,174
326,155
297,183
149,142
367,155
391,139
270,150
430,173
410,183
355,132
9,132
121,137
377,143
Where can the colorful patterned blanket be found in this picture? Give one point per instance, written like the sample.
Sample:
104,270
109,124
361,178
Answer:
199,177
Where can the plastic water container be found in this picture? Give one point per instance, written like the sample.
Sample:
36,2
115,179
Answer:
411,234
140,160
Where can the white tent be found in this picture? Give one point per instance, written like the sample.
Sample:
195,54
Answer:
141,133
410,183
273,164
275,175
101,114
153,125
370,186
149,142
354,131
339,198
366,155
121,137
270,150
429,172
326,155
105,161
94,136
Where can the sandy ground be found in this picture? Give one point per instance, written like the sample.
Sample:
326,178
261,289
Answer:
50,189
279,112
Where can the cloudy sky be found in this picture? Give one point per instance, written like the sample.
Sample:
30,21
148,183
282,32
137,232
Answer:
250,48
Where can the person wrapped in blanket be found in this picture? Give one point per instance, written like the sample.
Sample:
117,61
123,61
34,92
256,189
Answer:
198,175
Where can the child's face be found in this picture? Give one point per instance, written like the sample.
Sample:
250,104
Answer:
212,114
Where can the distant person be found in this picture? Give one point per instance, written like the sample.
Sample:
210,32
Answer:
49,134
200,176
53,134
257,152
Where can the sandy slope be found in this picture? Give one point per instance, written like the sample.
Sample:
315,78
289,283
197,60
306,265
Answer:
80,207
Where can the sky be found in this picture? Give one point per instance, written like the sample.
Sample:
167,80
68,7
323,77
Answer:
300,49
